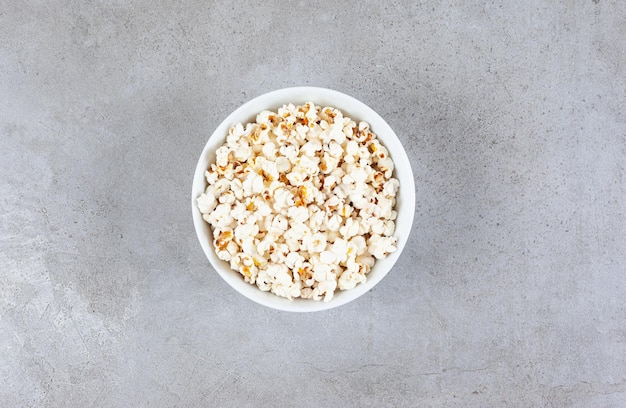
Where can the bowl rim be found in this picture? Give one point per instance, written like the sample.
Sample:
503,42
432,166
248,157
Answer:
348,105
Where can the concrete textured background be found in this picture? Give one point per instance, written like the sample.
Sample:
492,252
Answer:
511,293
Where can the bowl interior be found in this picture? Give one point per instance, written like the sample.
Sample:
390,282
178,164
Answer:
358,111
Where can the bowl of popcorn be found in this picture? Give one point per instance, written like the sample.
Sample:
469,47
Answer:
303,199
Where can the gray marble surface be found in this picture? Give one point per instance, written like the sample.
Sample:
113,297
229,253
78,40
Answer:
511,292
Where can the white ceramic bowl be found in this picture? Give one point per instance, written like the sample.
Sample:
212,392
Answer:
356,110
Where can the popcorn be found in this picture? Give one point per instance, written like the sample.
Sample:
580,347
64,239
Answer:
327,257
298,214
386,166
301,202
246,231
334,149
309,165
349,279
340,248
316,217
333,223
253,184
206,202
330,182
315,242
296,177
351,148
283,198
220,216
311,147
350,228
380,246
390,188
283,165
294,260
325,289
243,153
356,246
269,170
328,163
390,228
211,176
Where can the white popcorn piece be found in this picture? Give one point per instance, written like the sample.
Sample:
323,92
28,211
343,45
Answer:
315,242
346,211
298,214
349,279
264,281
330,182
333,203
236,186
327,257
283,165
383,207
309,165
279,224
386,166
296,177
221,156
311,193
357,246
290,152
206,202
297,232
253,184
243,152
302,130
262,208
220,216
325,290
226,253
265,247
380,152
390,187
380,246
347,180
246,231
311,147
294,260
334,149
336,133
352,147
239,212
248,246
220,186
228,197
234,134
323,272
366,260
328,163
376,225
269,150
283,198
267,168
211,176
339,247
359,175
316,217
334,222
349,229
280,254
390,228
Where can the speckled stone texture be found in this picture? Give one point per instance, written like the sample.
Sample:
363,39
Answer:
511,292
